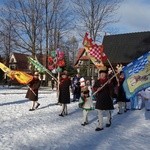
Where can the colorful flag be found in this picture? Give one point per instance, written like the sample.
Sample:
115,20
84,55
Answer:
87,41
137,75
40,67
22,77
94,51
6,70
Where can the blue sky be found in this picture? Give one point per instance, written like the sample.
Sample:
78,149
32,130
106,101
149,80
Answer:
134,16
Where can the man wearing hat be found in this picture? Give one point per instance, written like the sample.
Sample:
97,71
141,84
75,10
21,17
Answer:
103,99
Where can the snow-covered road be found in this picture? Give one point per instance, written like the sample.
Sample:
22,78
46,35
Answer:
44,129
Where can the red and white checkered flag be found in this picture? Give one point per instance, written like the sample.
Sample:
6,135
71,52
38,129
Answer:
97,52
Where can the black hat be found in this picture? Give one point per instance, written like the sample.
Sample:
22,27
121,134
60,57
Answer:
64,73
103,71
121,72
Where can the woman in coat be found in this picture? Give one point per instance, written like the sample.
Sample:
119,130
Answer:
64,92
103,100
32,93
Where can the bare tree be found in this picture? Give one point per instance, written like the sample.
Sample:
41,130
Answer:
73,47
7,35
55,20
39,25
61,23
28,17
95,15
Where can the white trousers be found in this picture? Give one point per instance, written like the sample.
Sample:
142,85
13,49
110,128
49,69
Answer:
140,101
100,117
121,106
85,116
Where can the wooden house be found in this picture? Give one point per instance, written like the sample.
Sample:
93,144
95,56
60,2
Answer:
120,49
19,61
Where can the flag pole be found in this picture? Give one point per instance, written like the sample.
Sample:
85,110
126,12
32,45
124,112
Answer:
58,84
105,83
48,72
113,70
39,65
31,90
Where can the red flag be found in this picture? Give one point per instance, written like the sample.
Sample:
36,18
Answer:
97,52
94,51
87,42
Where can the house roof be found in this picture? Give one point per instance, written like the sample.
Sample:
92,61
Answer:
22,61
124,48
79,55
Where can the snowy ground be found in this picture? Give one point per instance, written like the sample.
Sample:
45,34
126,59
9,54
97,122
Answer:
44,129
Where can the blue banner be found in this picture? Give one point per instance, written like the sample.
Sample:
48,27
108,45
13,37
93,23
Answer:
137,75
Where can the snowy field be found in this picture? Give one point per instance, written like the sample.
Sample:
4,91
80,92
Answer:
44,129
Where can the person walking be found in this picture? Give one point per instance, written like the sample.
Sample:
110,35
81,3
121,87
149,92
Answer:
76,89
64,93
52,83
32,93
121,97
146,98
86,103
103,99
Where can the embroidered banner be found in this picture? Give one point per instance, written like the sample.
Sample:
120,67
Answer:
137,75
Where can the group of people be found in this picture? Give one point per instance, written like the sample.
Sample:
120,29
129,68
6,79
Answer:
140,99
102,90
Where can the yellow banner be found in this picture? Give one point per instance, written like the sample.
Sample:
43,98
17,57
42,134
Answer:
20,76
6,70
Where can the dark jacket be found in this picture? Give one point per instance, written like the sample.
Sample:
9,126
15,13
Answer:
32,93
103,98
121,93
64,91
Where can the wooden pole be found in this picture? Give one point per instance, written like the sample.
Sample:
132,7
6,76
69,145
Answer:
105,83
58,82
113,70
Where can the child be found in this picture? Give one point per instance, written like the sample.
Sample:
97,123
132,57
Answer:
86,103
87,83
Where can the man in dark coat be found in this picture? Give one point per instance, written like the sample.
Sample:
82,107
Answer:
103,99
76,87
64,92
32,93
